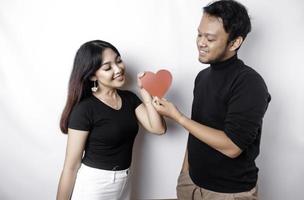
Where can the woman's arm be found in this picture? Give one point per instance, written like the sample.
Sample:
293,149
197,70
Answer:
150,119
146,113
74,151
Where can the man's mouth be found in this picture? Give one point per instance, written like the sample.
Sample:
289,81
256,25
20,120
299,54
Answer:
203,52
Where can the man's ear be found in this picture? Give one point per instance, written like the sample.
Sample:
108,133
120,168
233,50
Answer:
236,43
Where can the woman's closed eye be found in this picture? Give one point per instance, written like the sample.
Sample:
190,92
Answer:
106,67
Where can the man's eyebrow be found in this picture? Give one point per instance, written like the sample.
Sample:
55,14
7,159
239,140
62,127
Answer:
210,34
207,34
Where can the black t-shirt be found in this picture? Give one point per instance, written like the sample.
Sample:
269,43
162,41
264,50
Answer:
111,132
231,97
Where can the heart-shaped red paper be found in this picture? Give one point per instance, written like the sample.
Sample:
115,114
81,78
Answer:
157,84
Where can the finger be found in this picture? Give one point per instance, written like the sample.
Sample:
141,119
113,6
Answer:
155,98
162,101
139,83
159,108
155,101
159,102
140,75
155,104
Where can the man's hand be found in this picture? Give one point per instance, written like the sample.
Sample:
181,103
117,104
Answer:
167,109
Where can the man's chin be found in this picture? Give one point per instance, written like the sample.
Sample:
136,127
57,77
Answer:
204,61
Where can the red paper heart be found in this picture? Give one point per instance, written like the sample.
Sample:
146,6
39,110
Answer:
157,84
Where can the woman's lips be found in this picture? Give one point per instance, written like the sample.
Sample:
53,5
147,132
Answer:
119,77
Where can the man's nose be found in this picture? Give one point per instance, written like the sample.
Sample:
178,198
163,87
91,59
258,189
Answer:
202,41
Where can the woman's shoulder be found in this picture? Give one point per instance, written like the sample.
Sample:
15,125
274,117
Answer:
84,104
130,96
126,93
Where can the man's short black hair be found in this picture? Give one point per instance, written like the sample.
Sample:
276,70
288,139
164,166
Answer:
234,15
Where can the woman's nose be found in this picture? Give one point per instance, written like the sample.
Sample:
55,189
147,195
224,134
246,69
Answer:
117,69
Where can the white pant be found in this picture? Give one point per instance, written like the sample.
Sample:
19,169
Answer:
98,184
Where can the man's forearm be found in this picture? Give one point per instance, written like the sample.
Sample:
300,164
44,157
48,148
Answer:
217,139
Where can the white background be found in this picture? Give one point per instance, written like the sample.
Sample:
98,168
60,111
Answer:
38,41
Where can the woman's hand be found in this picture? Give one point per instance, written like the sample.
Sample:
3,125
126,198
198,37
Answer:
146,113
147,98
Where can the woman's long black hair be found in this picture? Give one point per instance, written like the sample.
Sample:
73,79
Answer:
87,61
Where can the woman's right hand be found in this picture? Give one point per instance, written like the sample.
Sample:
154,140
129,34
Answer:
147,98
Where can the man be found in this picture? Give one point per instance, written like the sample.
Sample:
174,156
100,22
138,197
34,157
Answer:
230,100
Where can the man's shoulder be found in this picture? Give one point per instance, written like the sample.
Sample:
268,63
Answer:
249,73
202,73
247,77
244,71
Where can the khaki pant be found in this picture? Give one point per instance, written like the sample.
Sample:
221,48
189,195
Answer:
187,190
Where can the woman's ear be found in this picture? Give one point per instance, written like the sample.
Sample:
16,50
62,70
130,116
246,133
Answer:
93,78
235,44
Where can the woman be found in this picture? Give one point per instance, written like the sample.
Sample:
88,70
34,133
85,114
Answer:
101,122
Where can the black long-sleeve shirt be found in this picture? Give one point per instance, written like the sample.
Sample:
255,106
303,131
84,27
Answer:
231,97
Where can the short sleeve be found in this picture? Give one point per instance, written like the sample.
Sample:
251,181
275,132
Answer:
246,108
135,100
132,98
80,118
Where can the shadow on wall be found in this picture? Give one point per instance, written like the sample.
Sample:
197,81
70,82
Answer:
143,147
142,150
137,169
277,151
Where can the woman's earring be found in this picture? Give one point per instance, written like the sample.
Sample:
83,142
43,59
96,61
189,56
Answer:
94,88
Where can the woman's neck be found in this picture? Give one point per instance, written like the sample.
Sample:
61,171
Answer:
107,93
